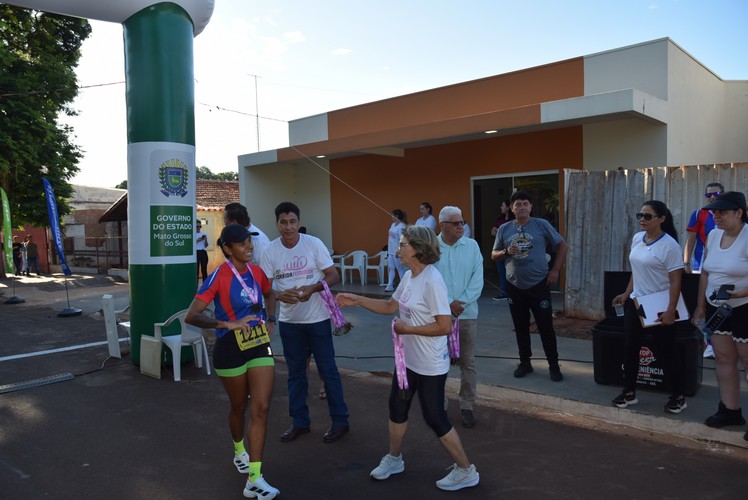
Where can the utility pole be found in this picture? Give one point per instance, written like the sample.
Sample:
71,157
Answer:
257,112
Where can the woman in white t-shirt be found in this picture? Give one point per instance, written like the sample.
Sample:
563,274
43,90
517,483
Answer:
424,323
656,265
427,216
399,223
726,263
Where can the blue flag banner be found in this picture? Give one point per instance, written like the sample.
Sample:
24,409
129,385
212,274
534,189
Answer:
7,229
54,224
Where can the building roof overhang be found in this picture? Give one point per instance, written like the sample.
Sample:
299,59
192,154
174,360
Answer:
608,106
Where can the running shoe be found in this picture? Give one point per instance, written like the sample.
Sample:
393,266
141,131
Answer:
260,489
241,462
626,398
459,478
675,404
388,466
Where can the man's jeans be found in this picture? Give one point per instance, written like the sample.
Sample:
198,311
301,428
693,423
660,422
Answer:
298,340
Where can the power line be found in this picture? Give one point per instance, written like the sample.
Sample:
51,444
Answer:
36,92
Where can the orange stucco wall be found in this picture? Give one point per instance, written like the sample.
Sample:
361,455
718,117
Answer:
528,87
439,174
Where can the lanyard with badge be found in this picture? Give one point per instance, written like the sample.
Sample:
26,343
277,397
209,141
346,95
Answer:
258,334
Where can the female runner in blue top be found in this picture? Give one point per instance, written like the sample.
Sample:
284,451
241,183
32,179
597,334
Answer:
242,356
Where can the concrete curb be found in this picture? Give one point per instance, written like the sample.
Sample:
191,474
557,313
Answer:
498,397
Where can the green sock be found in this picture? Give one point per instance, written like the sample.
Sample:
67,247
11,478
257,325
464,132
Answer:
239,447
254,470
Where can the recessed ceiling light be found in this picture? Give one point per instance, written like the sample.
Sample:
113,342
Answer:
320,156
491,132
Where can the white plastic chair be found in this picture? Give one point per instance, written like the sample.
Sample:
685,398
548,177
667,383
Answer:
357,259
113,324
190,336
378,266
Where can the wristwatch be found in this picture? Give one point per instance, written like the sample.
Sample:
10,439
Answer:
272,319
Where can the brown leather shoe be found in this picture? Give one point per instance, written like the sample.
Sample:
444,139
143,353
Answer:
293,432
335,434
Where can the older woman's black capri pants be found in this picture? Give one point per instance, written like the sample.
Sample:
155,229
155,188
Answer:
430,389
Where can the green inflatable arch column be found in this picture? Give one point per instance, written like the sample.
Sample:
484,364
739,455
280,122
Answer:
161,165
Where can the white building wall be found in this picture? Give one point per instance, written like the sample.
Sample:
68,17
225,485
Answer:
697,106
263,187
733,139
627,143
642,67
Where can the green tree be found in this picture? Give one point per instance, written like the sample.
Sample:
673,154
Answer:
122,185
38,54
206,174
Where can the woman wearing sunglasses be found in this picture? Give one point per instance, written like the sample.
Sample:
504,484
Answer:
242,357
656,265
726,263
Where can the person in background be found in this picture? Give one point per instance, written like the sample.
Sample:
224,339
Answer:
24,257
236,213
522,243
17,255
656,266
427,218
399,223
467,233
699,226
296,263
32,256
505,216
461,265
201,251
242,357
423,325
726,263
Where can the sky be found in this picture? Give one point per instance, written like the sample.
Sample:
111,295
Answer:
287,59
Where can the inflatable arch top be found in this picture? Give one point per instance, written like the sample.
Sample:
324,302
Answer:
118,11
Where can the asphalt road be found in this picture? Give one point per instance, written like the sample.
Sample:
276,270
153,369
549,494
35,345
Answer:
113,433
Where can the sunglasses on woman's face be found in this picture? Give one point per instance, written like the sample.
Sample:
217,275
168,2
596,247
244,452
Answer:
646,217
712,195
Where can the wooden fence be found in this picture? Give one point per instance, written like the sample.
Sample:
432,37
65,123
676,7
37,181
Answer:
600,219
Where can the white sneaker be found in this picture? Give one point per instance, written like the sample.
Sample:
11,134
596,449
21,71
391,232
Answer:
241,462
260,489
459,478
709,352
388,466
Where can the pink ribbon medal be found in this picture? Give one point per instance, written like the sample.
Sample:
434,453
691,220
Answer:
454,342
341,326
400,370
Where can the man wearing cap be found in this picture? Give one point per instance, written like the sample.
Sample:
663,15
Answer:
296,263
201,250
236,213
699,226
461,265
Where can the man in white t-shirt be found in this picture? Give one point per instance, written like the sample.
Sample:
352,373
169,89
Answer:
295,264
236,213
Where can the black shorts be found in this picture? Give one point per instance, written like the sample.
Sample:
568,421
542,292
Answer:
736,325
227,355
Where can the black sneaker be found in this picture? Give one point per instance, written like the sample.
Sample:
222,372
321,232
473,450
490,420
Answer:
523,369
500,296
626,398
725,417
675,404
556,375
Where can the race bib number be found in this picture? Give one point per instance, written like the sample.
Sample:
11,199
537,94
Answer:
257,335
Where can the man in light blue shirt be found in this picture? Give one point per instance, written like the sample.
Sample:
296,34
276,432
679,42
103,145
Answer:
461,266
